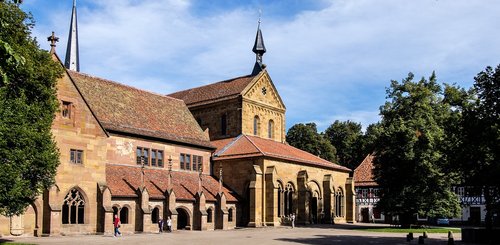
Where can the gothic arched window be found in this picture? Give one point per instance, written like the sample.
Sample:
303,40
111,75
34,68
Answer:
339,203
124,215
73,208
256,125
270,129
288,199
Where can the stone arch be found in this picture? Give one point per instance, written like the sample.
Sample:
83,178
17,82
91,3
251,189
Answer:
281,198
37,208
183,218
72,214
289,194
339,202
155,214
314,200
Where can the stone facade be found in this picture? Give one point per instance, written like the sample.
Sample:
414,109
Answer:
263,182
318,191
89,189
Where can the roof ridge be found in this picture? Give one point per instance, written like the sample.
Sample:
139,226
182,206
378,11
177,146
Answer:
227,80
123,85
365,160
225,148
253,143
333,164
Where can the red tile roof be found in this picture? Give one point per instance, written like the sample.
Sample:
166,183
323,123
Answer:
245,146
124,180
126,109
214,92
363,174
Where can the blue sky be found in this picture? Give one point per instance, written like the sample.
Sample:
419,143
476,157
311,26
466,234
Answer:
329,59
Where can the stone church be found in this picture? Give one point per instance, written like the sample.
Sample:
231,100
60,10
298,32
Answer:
212,157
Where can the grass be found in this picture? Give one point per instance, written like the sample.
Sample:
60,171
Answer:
414,230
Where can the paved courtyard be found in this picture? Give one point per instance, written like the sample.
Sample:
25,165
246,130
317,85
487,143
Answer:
314,235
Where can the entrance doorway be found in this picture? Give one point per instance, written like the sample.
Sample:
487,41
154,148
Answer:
365,215
313,207
475,216
182,219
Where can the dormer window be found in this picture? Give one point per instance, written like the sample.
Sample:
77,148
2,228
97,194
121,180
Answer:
66,109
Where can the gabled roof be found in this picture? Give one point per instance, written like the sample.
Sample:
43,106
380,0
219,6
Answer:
124,109
363,174
214,92
124,180
245,146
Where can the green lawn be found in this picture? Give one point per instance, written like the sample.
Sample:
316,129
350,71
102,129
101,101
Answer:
414,230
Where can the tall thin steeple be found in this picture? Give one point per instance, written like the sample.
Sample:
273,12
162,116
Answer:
72,61
259,49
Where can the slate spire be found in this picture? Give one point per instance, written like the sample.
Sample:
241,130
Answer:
72,61
259,49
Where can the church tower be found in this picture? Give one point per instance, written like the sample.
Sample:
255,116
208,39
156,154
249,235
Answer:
72,61
259,49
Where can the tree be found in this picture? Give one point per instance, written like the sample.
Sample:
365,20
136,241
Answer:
307,138
369,139
28,154
410,164
479,151
347,138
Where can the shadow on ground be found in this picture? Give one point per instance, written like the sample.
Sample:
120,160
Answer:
324,240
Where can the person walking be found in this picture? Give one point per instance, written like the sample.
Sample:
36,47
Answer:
292,218
117,224
373,218
169,224
160,225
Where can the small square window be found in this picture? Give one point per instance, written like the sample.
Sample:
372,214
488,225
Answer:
76,156
66,109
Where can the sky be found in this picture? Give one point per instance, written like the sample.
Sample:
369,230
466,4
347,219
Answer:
329,59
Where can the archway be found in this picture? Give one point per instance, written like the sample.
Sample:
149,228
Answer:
182,219
313,209
155,215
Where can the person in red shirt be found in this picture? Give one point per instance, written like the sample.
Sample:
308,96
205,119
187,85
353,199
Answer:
117,224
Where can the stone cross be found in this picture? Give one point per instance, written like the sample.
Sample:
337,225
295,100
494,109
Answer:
52,39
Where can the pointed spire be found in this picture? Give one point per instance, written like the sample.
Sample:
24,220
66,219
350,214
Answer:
52,39
72,61
259,49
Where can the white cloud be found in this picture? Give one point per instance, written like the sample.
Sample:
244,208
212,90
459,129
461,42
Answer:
328,63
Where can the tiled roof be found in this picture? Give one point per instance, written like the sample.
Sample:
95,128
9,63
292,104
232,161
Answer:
214,92
124,180
363,174
245,146
126,109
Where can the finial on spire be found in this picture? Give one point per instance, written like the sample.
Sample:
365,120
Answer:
52,39
72,61
258,48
